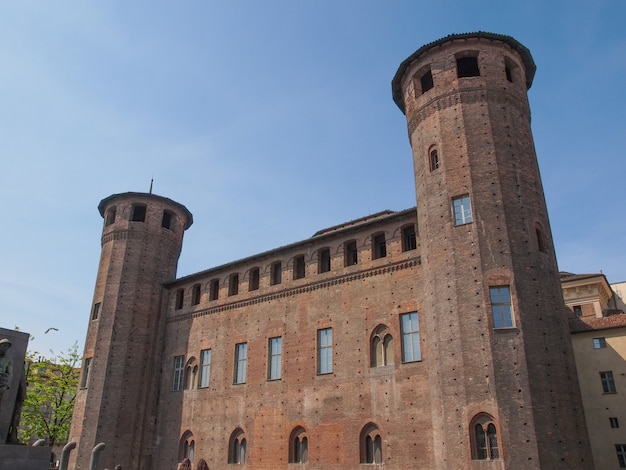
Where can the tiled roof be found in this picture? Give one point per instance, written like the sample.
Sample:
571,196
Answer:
614,320
575,277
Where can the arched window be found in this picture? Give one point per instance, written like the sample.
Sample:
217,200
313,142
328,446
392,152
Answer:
381,347
484,438
237,447
298,446
191,373
541,239
371,445
110,217
433,158
186,446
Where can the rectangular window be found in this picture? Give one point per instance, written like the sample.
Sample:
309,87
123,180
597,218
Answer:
379,246
298,267
351,254
614,422
462,210
323,260
578,310
501,306
86,371
233,284
426,81
178,372
166,221
214,290
139,213
409,242
95,311
621,454
608,383
180,296
411,349
276,273
275,358
325,351
205,367
467,67
195,294
253,283
599,343
241,361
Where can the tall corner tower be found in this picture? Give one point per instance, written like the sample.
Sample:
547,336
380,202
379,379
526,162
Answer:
502,373
115,404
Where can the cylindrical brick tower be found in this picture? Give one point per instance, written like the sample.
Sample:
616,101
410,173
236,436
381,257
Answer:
502,373
115,404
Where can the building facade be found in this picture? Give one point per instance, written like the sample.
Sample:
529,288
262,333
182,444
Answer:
599,340
432,338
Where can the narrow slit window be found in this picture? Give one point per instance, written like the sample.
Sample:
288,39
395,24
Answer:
434,160
95,312
166,221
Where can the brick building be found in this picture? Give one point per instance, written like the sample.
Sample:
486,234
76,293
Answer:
432,338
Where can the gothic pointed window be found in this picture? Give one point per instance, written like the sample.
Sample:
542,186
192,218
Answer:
371,445
237,447
298,446
484,438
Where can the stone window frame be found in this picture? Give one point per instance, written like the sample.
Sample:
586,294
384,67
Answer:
484,440
371,445
298,445
381,347
237,447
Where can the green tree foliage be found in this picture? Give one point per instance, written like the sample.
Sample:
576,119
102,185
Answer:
50,395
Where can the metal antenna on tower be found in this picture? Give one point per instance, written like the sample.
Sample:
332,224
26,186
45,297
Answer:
151,181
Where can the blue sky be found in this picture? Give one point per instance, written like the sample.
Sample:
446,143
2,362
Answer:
269,120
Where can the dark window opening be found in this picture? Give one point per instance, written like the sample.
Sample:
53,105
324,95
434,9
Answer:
214,290
96,311
195,294
578,310
253,282
233,284
614,422
608,382
110,217
180,295
379,246
409,240
352,254
426,81
507,71
541,240
467,67
139,213
323,260
86,370
166,221
298,267
276,273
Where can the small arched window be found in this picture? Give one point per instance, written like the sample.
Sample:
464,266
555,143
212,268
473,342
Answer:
433,159
195,294
298,446
484,438
237,447
371,445
381,347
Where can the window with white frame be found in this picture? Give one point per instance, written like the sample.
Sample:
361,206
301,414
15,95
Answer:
411,349
599,343
325,351
205,367
462,209
241,361
179,369
275,349
501,306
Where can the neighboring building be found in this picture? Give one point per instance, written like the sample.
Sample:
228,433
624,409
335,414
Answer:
434,338
599,341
